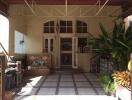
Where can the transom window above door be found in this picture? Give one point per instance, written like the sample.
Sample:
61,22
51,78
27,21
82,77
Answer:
66,27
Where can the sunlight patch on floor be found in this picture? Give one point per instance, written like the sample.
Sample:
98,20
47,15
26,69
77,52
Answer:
83,86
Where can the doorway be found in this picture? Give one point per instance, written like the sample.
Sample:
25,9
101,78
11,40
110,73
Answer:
66,52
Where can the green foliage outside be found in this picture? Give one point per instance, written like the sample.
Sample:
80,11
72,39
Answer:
117,44
107,83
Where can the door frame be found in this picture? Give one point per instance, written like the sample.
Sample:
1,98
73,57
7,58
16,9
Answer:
67,51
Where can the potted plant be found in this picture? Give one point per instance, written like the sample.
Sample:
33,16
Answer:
117,43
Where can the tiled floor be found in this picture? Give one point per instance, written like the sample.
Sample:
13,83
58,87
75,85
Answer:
58,86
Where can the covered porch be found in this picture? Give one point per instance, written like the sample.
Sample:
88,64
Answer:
76,86
65,49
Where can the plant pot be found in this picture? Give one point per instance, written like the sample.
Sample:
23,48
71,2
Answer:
122,92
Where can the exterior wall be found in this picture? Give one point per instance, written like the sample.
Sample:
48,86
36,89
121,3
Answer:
22,19
84,61
17,23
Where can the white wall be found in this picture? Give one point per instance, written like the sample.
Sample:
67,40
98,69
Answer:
23,20
84,61
4,32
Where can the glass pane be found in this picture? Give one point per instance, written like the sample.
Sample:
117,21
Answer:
84,29
46,45
66,59
66,44
69,29
84,24
46,29
49,27
46,24
79,29
51,45
52,30
82,45
82,42
63,29
69,23
51,23
62,23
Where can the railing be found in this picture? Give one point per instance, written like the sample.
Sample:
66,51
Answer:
101,63
94,64
3,49
83,50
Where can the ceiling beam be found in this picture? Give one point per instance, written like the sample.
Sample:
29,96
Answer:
126,8
102,7
3,8
4,2
26,2
70,2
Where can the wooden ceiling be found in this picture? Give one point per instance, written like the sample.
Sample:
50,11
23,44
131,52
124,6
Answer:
70,2
126,4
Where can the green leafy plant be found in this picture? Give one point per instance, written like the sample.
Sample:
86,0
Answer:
107,83
118,44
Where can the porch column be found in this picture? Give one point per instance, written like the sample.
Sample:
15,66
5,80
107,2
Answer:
57,52
74,53
57,45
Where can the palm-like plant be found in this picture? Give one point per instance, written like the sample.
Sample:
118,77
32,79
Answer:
118,44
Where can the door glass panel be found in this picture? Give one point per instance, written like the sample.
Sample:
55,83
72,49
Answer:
66,59
66,44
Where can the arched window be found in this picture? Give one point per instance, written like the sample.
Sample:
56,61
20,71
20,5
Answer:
81,27
49,27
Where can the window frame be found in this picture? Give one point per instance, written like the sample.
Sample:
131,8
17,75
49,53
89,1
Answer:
81,27
68,26
49,27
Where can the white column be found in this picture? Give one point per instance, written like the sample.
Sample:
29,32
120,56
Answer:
58,51
76,52
73,51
